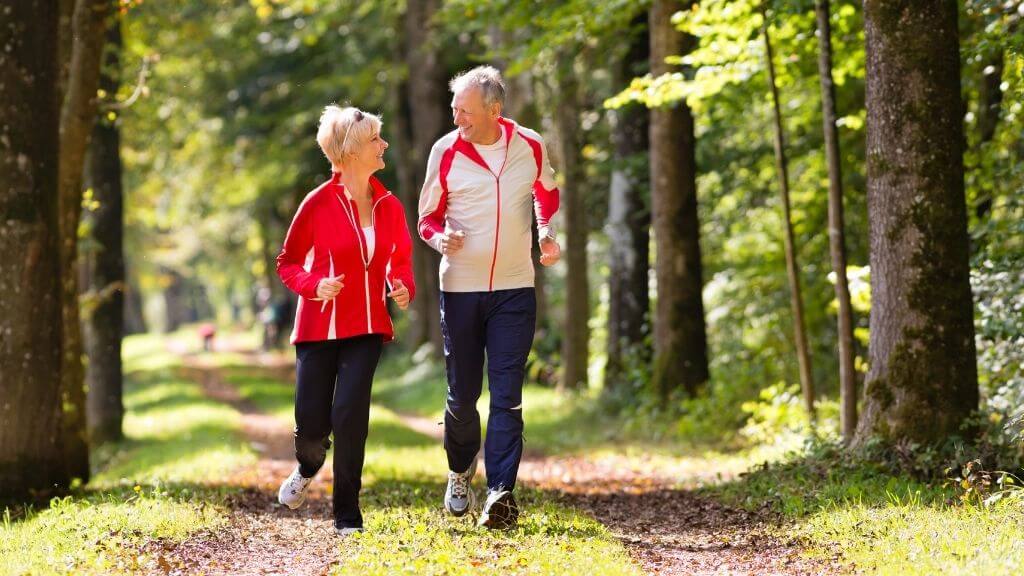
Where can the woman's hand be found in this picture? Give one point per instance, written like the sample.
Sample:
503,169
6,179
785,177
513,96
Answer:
328,288
400,294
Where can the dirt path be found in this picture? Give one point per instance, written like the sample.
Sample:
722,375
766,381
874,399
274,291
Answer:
261,536
666,530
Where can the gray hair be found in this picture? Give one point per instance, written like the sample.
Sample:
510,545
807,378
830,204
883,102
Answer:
341,129
486,78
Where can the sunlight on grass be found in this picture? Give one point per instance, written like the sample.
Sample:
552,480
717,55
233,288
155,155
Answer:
154,484
907,537
77,534
420,539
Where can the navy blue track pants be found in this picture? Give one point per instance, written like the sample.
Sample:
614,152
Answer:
500,325
332,394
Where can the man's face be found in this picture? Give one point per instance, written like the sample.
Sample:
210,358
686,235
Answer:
476,121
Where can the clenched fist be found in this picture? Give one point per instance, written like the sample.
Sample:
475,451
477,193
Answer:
453,242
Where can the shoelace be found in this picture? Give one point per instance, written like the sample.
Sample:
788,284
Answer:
460,485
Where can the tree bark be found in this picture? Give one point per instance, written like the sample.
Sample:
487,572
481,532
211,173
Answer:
31,455
836,227
923,381
78,114
428,107
103,326
680,339
576,332
629,220
795,297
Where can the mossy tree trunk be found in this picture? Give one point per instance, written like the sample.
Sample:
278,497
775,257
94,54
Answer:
922,382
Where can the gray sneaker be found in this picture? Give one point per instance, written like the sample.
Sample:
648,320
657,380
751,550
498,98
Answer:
459,497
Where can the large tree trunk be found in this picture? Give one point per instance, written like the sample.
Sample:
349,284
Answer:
428,107
577,307
836,226
103,325
78,114
629,220
31,455
803,353
923,380
680,339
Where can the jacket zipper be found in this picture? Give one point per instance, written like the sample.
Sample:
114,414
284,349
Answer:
363,252
497,222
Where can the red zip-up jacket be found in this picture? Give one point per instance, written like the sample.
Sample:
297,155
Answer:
325,240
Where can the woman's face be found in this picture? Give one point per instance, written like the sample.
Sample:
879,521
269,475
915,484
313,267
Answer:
369,154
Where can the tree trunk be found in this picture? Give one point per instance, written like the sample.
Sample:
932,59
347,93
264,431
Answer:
428,107
836,226
103,326
629,220
577,307
837,242
680,339
134,321
78,114
923,380
31,455
795,298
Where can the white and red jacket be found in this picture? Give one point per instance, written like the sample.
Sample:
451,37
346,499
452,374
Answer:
324,240
493,208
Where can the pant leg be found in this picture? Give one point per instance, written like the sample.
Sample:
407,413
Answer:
462,328
316,369
511,321
350,415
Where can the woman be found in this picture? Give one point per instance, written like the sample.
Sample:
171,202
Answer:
347,241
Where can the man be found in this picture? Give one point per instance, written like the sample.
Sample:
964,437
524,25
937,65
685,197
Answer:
484,180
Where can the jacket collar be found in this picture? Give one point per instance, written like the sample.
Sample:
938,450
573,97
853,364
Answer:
466,147
377,189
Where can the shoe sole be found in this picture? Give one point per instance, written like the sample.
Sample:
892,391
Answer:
493,522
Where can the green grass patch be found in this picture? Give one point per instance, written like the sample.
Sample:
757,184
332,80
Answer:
157,483
880,522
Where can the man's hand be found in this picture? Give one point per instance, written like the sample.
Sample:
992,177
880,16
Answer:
328,288
453,242
400,294
550,252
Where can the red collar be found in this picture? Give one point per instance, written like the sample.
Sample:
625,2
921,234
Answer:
377,189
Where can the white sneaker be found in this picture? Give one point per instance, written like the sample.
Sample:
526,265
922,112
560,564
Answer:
293,490
459,497
343,532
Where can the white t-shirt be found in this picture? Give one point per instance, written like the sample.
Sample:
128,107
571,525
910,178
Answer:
493,154
370,241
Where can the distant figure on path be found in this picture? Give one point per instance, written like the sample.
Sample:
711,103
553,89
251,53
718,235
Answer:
347,247
485,181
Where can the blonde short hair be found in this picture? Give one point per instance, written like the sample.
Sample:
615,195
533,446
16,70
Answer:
486,78
341,129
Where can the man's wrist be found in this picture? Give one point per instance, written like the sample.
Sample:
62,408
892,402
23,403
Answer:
545,232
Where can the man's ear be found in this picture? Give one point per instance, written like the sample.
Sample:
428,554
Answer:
496,109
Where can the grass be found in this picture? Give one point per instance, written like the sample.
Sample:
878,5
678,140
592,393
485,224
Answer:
159,483
883,523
